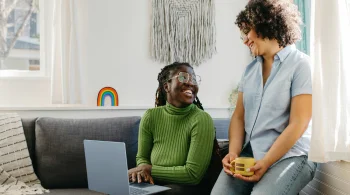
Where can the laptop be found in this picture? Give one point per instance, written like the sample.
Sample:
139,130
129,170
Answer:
107,170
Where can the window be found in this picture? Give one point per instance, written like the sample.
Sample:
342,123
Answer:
304,7
20,41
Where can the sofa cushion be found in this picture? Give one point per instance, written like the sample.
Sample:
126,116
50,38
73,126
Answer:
221,127
59,146
29,132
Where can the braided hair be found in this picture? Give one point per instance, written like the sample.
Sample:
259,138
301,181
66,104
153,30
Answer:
160,100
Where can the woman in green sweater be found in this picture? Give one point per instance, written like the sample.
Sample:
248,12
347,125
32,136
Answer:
175,140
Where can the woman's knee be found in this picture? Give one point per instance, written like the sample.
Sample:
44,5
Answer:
289,176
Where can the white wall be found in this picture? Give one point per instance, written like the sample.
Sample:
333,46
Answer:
116,53
25,91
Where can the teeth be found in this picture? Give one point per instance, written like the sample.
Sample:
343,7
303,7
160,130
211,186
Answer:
188,92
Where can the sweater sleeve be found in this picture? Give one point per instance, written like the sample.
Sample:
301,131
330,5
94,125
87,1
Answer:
145,140
199,154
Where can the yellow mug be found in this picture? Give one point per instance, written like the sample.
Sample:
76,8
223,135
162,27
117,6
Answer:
240,164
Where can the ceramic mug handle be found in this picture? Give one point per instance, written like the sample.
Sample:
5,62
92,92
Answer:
233,163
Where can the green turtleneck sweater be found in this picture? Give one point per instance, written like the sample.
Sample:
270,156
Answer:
177,142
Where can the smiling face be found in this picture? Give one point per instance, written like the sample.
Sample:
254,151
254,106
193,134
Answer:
257,45
180,94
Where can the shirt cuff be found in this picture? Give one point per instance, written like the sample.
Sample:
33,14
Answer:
300,91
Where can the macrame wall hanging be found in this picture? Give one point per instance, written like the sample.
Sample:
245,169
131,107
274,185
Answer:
183,31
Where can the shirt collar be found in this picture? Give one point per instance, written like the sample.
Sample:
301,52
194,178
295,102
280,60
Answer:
259,58
178,111
281,55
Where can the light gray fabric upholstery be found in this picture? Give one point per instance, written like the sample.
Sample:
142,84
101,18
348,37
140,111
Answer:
59,146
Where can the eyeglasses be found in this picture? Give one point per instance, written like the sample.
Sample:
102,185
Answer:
244,36
244,33
184,77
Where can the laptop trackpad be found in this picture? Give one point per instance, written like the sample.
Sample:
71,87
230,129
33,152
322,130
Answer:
149,187
141,185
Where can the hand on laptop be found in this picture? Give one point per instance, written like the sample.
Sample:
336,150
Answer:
141,173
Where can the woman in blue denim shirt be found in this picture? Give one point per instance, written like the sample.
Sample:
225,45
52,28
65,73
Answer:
274,105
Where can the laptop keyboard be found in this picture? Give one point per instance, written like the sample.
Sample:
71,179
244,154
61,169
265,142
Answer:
137,191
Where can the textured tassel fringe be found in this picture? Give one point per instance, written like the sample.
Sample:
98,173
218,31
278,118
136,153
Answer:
20,188
183,31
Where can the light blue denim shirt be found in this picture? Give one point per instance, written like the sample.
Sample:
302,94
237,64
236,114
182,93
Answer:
267,108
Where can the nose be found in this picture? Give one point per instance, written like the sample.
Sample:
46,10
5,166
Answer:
190,83
244,38
191,87
246,41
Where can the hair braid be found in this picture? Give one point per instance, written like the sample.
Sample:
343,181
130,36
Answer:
198,103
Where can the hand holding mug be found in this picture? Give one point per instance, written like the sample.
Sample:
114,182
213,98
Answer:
259,170
241,165
226,162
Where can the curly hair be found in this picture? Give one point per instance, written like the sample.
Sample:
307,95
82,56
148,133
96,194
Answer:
272,19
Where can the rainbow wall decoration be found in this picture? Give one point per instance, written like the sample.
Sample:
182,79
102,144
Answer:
107,92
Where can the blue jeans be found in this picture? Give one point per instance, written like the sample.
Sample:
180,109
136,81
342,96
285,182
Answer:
287,177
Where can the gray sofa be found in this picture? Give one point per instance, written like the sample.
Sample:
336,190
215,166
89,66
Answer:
56,147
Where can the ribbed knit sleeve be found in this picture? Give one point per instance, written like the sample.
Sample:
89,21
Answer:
145,140
202,135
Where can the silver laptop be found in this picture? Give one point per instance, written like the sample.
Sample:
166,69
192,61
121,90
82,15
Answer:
107,170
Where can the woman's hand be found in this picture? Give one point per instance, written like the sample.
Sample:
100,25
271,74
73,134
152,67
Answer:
259,169
142,173
226,162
